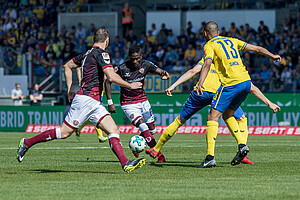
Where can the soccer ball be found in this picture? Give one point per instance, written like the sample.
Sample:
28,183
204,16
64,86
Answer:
137,144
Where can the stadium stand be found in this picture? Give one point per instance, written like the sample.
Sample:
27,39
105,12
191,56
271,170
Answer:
29,28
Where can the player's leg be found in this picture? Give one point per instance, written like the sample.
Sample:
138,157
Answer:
169,132
241,92
218,105
107,124
56,133
134,114
77,131
242,122
211,135
192,105
100,136
75,117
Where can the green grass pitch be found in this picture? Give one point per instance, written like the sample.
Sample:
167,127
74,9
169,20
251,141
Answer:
68,169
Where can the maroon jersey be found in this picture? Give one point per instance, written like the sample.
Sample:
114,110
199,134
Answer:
92,64
131,75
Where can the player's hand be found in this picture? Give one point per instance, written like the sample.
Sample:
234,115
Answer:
112,108
136,85
169,91
71,94
199,89
165,75
274,107
276,58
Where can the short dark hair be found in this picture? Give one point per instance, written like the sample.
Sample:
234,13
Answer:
100,35
211,27
134,49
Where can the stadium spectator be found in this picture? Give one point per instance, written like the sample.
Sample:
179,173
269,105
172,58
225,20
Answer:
80,47
131,37
171,38
171,56
263,30
190,54
154,31
164,29
127,18
177,68
10,64
35,96
198,52
80,31
17,95
190,29
117,60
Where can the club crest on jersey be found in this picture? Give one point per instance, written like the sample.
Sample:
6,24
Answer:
142,70
75,122
131,116
106,58
116,68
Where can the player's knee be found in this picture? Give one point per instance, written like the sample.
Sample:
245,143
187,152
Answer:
152,131
143,127
180,120
64,132
138,122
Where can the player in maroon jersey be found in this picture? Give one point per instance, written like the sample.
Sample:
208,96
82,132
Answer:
87,103
134,102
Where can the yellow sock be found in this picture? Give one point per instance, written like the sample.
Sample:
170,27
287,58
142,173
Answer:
167,134
99,132
244,129
211,135
83,125
234,129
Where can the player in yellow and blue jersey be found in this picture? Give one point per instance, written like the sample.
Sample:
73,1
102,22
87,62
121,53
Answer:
223,52
196,102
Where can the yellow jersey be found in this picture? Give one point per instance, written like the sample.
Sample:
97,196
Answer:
224,52
211,82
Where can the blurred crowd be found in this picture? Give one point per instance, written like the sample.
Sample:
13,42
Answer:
31,27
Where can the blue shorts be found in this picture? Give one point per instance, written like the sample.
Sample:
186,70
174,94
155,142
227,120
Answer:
195,103
231,96
238,113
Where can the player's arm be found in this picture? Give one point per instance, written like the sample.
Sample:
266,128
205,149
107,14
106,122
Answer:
162,73
111,106
78,70
68,77
258,94
203,74
262,51
115,78
186,76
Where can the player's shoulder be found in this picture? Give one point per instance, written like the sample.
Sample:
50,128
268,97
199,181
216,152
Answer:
147,63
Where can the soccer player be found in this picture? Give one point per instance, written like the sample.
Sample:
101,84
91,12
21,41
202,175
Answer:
86,104
235,83
196,102
99,132
134,102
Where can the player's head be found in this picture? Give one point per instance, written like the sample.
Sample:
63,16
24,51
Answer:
135,55
101,35
210,30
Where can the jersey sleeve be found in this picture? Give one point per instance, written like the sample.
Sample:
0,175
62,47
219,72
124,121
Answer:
201,62
208,52
103,60
151,67
240,44
78,59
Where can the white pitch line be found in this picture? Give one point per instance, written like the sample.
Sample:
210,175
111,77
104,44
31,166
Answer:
186,146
